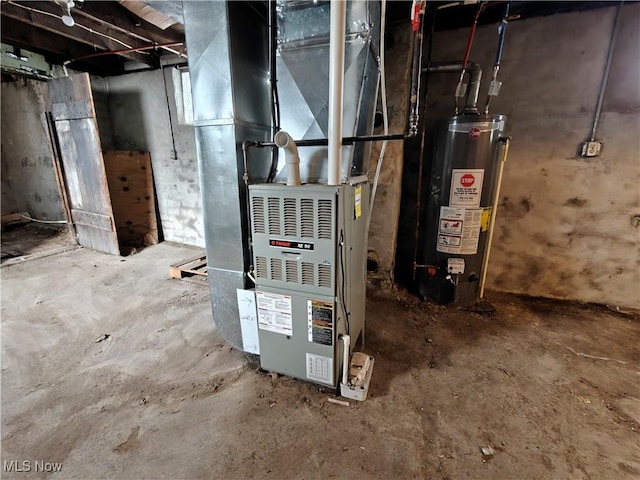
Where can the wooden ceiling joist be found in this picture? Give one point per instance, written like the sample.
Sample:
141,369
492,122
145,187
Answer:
95,33
55,48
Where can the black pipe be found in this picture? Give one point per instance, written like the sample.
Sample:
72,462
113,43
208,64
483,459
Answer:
423,137
447,67
322,142
316,142
412,128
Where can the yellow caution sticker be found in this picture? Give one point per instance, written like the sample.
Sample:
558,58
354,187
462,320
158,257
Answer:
486,218
358,201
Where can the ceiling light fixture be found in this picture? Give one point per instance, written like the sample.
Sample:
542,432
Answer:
67,19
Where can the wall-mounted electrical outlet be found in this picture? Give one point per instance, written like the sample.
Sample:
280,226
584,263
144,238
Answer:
590,149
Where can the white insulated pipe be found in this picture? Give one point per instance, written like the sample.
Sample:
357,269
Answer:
283,140
336,83
345,358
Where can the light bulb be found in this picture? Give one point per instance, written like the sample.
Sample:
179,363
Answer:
67,19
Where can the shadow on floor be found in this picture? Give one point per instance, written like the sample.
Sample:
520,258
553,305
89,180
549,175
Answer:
34,239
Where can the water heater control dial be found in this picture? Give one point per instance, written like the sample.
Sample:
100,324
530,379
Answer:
455,265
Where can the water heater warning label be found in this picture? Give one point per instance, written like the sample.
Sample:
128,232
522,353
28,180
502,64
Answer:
320,322
274,313
466,187
459,230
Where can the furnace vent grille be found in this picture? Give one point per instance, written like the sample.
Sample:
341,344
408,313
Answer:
276,269
261,267
258,214
290,217
308,276
325,219
307,221
324,275
274,216
291,266
293,217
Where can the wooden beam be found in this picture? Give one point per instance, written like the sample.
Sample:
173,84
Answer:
46,15
57,49
119,17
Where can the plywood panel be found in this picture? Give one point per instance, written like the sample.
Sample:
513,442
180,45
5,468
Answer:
133,198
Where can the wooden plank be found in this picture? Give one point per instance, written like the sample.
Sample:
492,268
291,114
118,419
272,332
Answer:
83,166
90,219
189,267
57,166
72,110
130,180
189,260
13,219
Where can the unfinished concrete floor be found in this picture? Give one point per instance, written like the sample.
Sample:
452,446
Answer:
553,388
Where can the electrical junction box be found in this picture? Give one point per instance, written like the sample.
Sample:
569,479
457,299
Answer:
309,257
591,149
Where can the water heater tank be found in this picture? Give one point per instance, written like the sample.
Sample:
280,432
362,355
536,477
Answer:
463,181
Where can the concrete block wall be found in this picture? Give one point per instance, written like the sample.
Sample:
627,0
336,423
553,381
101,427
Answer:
28,177
566,225
140,120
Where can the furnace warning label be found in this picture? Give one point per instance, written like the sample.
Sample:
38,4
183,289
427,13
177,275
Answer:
466,187
274,313
320,322
459,230
319,368
358,201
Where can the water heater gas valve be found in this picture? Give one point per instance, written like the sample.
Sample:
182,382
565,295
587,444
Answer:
455,265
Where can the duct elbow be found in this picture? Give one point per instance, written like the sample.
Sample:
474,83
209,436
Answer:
283,140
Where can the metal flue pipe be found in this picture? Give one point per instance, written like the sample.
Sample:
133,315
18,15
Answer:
336,81
473,91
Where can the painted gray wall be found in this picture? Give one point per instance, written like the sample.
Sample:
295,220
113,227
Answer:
28,176
564,226
100,93
140,121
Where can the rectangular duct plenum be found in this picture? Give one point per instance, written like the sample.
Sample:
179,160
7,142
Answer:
229,69
303,81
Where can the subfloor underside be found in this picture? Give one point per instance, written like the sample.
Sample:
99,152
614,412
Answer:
116,371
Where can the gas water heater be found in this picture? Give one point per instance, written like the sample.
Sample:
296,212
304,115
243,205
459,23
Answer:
464,178
466,172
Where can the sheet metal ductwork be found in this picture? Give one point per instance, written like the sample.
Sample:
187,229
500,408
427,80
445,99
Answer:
229,68
303,82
